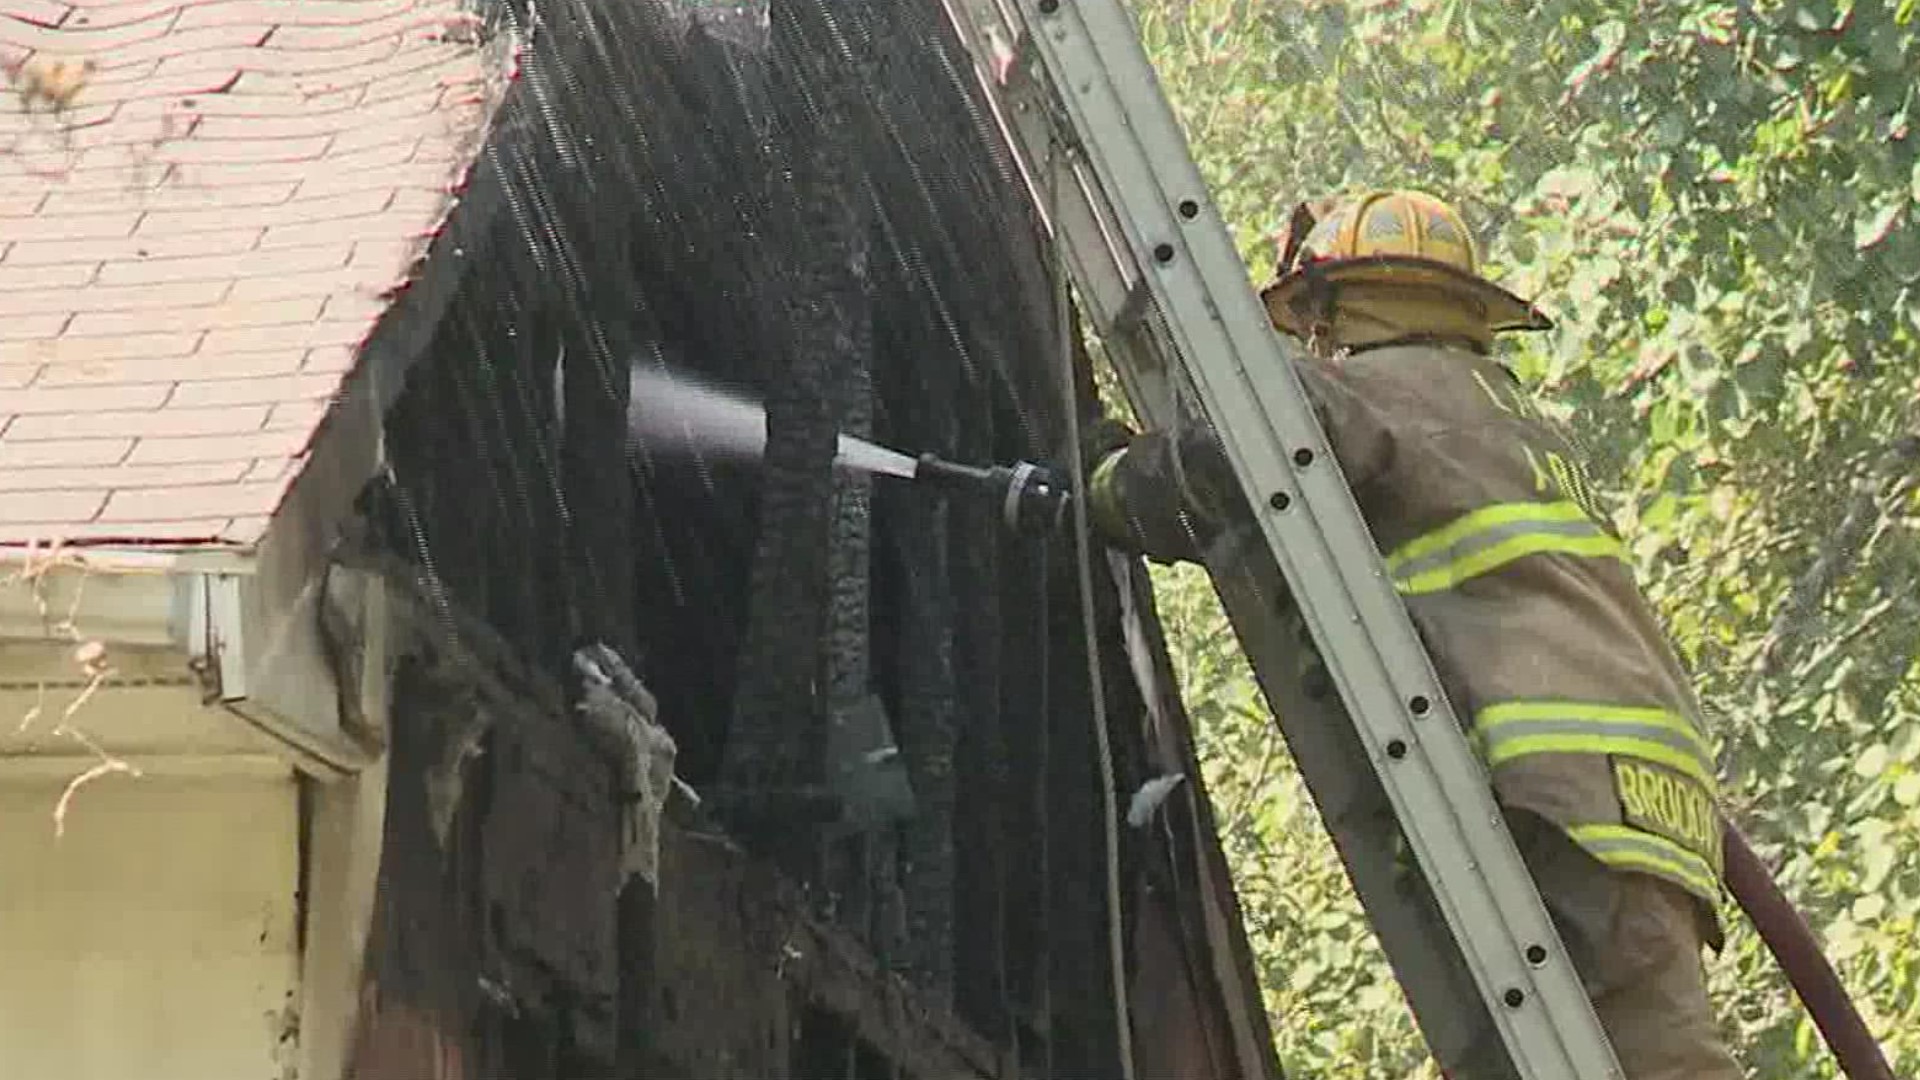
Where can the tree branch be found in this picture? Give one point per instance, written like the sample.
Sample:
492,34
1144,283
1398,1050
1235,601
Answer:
1864,510
1268,746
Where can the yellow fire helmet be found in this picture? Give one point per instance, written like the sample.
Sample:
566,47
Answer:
1384,237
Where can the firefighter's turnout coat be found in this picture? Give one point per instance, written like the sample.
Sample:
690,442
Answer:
1541,637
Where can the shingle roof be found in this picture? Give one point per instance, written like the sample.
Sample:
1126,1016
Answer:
193,248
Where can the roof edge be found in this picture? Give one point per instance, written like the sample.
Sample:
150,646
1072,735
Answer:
125,599
26,561
183,609
347,445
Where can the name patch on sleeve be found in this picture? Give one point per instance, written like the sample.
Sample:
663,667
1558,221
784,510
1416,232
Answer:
1666,803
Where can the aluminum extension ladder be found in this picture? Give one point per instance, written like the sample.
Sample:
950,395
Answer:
1108,166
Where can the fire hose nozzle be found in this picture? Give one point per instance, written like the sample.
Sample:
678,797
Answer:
1031,497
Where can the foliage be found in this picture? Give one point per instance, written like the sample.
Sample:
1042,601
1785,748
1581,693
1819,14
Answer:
1721,204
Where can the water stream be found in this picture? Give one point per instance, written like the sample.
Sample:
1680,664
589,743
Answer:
672,412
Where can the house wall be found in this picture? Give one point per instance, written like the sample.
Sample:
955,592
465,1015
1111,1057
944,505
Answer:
722,230
157,938
862,265
165,925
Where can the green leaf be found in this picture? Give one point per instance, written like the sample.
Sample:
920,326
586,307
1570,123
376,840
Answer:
1843,940
1871,229
1877,859
1906,791
1872,761
1869,908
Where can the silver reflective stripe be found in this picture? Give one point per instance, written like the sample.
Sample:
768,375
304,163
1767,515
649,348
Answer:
1467,545
1628,848
1507,731
1492,537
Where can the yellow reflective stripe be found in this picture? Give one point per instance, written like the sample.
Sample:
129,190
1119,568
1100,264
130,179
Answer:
1509,749
1102,477
1108,509
1493,536
1519,547
1483,519
1515,729
1629,848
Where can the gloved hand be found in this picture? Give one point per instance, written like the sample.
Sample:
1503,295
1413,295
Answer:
1100,436
1212,491
1143,501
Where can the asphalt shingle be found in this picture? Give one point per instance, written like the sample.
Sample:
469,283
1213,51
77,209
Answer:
197,240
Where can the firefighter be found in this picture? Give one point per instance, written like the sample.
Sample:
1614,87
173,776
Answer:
1521,591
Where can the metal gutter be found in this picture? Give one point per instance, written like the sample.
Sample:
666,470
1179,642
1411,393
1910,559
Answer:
117,596
197,605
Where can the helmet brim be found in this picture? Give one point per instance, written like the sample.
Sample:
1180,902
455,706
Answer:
1505,310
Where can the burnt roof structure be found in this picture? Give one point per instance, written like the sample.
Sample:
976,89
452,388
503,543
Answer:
806,202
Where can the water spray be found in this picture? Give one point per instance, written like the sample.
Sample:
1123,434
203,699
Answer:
673,413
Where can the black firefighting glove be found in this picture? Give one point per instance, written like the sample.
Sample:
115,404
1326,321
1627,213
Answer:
1099,437
1156,494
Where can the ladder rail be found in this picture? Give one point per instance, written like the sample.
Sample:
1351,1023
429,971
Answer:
1137,182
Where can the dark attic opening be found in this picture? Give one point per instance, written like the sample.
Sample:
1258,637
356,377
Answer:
714,764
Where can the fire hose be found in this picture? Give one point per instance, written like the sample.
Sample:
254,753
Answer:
1794,948
1030,497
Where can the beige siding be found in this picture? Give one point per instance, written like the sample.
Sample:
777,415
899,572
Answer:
156,940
